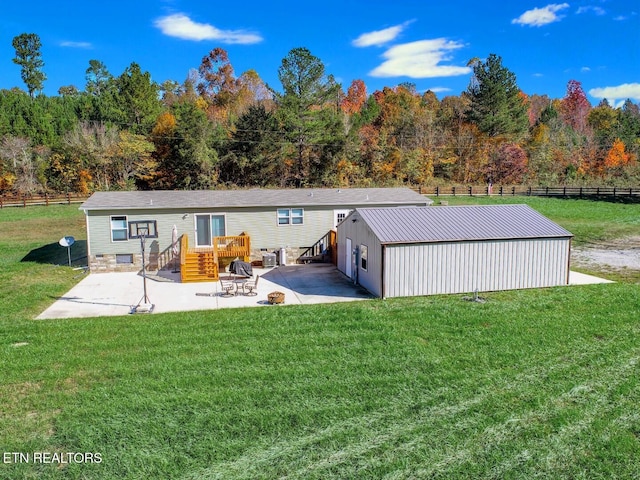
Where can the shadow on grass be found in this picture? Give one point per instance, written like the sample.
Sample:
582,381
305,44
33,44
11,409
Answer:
54,254
599,198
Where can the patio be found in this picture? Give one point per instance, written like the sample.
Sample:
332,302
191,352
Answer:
108,294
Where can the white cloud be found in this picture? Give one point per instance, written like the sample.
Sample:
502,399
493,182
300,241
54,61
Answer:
76,44
585,69
620,92
538,17
439,89
379,37
180,26
421,59
596,10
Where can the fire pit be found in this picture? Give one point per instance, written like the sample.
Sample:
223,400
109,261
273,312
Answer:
275,297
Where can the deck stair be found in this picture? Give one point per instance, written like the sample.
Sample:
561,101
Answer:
323,251
201,264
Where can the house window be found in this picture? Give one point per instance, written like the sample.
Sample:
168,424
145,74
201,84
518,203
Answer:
119,229
124,258
290,216
364,253
148,228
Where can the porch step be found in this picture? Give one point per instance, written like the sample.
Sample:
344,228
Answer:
200,267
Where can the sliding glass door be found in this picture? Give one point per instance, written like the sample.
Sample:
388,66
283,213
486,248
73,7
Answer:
207,227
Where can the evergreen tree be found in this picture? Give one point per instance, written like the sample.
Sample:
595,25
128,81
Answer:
497,106
308,113
136,98
29,57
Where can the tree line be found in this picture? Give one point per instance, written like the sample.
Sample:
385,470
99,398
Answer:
217,129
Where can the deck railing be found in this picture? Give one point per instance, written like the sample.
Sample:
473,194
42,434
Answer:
232,246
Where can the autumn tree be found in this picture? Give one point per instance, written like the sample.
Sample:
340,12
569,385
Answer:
574,108
29,57
218,84
508,164
16,154
617,157
252,91
91,145
497,107
355,98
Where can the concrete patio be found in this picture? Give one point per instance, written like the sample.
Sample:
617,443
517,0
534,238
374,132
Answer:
107,294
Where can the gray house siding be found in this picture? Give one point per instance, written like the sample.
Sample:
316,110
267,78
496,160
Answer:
253,212
460,267
360,234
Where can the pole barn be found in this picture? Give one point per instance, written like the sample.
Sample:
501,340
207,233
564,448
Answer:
409,251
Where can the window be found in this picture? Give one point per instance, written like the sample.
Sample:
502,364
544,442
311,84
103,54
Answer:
124,258
363,257
119,229
290,216
148,228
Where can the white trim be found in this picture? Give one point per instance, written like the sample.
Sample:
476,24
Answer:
126,228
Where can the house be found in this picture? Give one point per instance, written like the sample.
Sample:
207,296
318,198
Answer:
216,224
397,252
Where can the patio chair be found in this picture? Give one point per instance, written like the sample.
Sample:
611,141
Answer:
227,287
250,286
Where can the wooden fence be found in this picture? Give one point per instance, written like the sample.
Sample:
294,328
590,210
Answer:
46,200
502,190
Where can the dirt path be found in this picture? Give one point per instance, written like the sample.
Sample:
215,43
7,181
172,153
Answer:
617,254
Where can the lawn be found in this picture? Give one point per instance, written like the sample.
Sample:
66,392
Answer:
531,384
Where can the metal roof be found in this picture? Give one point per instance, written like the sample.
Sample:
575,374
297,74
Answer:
459,223
339,197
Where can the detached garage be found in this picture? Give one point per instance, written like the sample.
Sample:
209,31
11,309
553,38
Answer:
408,251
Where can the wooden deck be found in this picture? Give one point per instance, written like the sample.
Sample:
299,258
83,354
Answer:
201,264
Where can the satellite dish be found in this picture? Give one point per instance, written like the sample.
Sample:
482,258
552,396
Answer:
67,241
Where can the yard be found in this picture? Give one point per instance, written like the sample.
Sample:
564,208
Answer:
531,384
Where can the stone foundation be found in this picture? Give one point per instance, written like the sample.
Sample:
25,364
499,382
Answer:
108,263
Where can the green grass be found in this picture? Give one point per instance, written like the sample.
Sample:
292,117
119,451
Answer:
531,384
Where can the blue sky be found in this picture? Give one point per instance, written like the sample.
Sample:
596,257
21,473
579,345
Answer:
383,43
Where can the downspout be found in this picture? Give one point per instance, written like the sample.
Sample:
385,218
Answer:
382,264
569,261
86,224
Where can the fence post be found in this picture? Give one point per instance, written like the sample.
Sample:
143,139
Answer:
24,201
500,190
470,191
614,191
453,189
68,198
437,191
529,191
